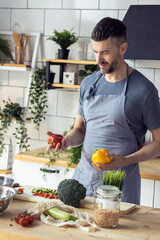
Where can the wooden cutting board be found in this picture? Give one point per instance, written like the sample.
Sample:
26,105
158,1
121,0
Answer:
88,202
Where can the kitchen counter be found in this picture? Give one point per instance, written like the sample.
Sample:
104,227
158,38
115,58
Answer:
148,169
141,223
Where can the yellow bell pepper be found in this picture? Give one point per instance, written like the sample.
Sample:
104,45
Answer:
101,157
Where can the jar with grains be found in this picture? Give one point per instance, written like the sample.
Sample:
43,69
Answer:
107,206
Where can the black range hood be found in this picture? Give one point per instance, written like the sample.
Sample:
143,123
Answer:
143,32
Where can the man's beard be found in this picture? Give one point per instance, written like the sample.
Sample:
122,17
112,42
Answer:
111,67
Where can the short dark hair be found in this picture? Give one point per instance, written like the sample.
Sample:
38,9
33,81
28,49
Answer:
109,27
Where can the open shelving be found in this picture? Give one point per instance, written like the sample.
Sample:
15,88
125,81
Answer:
62,63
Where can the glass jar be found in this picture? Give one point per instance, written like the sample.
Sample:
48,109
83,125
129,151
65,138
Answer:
107,206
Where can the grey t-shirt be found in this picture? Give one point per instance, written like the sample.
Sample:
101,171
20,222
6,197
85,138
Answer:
142,107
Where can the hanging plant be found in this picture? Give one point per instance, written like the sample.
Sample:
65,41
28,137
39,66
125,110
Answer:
38,97
13,111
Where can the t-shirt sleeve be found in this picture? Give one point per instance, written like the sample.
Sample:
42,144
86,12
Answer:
151,110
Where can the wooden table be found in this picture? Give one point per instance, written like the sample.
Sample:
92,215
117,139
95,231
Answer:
141,223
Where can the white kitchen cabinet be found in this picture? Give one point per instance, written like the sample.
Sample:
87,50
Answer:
157,195
147,192
28,173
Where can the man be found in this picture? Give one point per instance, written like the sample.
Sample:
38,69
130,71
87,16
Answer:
117,105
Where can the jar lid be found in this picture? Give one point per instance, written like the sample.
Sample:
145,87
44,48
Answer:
108,190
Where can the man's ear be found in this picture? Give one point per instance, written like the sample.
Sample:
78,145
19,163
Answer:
123,48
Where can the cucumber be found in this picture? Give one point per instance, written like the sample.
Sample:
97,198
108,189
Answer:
59,214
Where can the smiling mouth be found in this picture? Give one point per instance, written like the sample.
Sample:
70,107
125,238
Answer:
102,65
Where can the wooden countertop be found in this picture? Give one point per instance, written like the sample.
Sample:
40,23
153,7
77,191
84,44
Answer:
148,169
141,223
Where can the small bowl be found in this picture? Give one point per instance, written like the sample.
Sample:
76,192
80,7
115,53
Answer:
6,181
6,196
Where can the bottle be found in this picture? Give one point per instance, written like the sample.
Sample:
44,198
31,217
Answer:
89,52
107,206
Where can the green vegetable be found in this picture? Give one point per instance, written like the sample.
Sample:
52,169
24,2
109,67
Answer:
115,178
59,214
70,191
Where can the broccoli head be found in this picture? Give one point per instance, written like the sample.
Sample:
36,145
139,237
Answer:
70,191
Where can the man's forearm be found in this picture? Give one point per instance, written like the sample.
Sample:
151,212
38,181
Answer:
75,137
147,152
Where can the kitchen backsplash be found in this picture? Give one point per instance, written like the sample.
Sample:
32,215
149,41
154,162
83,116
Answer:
45,16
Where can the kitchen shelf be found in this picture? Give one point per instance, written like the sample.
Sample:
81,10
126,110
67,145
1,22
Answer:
14,67
9,171
61,85
23,67
62,63
66,61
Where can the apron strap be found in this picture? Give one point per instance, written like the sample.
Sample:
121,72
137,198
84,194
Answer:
126,82
93,87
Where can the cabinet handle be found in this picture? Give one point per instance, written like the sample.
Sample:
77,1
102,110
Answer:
49,170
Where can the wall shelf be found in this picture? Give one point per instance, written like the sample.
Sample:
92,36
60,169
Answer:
14,67
83,62
62,63
61,85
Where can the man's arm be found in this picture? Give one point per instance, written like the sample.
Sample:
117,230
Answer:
147,152
74,138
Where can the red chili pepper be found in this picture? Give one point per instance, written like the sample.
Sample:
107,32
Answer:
54,139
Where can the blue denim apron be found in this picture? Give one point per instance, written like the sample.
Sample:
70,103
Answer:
106,127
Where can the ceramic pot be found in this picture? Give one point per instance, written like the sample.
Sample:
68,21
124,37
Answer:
63,53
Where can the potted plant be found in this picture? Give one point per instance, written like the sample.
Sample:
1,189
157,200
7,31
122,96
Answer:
88,69
64,39
5,50
13,111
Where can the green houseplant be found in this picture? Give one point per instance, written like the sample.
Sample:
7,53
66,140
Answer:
13,111
38,96
88,69
64,39
5,50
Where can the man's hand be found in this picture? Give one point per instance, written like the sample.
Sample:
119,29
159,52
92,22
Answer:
117,161
59,147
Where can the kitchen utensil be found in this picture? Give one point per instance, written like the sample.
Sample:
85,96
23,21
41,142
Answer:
6,196
16,37
6,181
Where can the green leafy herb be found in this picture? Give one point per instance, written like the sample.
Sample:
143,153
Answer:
115,178
74,155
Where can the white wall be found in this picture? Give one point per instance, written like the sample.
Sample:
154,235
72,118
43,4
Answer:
44,16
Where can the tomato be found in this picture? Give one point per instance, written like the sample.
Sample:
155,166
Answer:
20,190
35,194
16,218
50,196
30,218
46,195
23,221
56,197
40,194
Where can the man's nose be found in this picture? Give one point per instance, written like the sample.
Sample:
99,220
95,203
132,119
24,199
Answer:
99,57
